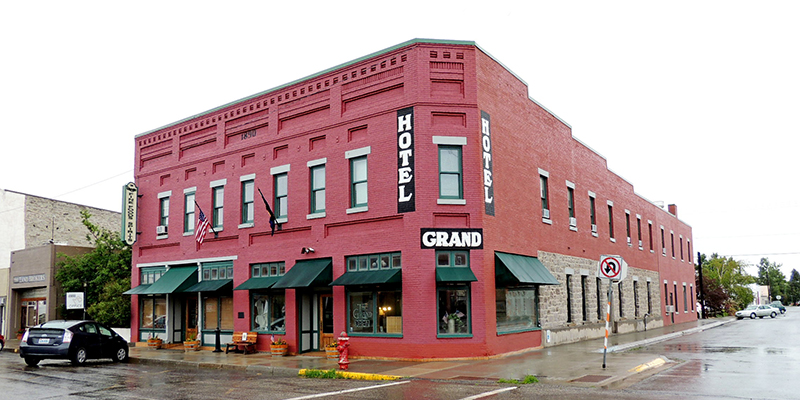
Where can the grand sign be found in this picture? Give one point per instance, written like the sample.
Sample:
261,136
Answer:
443,238
405,160
129,208
486,144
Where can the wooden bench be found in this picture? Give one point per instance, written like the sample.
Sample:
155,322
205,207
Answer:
243,341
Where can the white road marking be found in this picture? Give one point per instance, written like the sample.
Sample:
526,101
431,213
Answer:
313,396
487,394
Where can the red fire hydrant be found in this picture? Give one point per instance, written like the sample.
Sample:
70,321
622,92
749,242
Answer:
344,344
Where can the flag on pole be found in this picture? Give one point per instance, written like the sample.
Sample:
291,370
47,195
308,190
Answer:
203,224
272,220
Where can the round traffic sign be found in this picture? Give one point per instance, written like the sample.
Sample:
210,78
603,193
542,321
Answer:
610,267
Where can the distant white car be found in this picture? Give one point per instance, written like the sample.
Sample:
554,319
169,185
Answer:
758,311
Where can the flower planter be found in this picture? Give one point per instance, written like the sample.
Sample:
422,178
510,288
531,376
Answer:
331,353
154,344
279,350
191,345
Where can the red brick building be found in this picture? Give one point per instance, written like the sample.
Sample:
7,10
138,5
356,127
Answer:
425,205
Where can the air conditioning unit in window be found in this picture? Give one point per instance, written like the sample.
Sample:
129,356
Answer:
546,214
670,309
573,221
594,228
663,252
629,241
161,230
640,244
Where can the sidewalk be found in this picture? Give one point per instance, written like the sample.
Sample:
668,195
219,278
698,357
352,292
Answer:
575,363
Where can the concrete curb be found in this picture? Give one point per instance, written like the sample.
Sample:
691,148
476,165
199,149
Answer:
356,375
645,342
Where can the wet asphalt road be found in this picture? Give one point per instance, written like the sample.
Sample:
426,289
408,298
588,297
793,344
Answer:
752,359
742,359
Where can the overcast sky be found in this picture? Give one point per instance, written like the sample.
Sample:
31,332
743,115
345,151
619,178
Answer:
693,102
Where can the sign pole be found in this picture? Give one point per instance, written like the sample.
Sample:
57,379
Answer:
608,317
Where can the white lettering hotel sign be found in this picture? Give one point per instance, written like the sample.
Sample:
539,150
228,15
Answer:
488,178
442,238
405,160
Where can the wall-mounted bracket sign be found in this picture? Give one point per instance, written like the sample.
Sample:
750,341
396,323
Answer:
129,208
444,238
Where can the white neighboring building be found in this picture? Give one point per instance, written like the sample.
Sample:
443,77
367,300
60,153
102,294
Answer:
760,293
28,221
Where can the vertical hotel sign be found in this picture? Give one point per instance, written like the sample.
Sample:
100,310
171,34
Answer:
130,197
486,144
405,160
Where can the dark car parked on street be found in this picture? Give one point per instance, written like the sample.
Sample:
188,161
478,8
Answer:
76,341
778,305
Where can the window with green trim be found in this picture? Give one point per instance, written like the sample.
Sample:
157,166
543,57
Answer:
317,189
281,195
358,182
263,270
217,271
375,312
248,206
452,258
453,303
450,173
517,308
163,218
373,262
188,212
149,276
217,202
152,312
269,311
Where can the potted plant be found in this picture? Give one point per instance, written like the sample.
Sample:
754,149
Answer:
20,333
331,351
154,342
278,348
452,320
192,343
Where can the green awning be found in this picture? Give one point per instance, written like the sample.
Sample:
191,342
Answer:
137,290
175,280
454,274
259,283
307,273
352,278
515,269
211,286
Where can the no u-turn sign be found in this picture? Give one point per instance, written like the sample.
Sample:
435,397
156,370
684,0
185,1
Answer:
612,267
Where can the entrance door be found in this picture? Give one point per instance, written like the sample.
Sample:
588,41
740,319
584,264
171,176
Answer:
309,321
191,317
326,316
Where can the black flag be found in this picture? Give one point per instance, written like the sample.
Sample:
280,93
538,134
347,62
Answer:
272,220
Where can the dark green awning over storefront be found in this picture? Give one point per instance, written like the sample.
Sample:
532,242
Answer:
307,273
259,283
375,277
516,269
211,286
175,280
454,274
138,290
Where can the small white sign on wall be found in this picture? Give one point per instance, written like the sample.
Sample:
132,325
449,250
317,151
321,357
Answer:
75,301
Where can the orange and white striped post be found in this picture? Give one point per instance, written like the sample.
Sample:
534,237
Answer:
608,317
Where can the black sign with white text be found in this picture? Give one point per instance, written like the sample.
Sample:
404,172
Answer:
488,178
445,238
405,160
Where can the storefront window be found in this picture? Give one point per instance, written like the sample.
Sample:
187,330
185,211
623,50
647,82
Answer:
269,312
517,309
362,313
218,311
153,312
453,302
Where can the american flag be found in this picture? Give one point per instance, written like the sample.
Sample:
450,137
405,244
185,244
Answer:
203,224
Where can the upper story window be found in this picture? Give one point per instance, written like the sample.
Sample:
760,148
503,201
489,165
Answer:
628,227
358,179
371,262
543,193
188,210
217,271
217,203
280,177
663,242
573,222
593,213
611,220
163,213
263,270
148,276
248,196
451,173
317,187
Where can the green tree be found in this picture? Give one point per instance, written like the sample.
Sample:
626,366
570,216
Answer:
769,274
725,284
105,272
793,288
